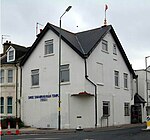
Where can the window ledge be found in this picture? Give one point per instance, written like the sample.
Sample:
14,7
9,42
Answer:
115,59
105,51
65,83
35,86
47,55
117,87
126,89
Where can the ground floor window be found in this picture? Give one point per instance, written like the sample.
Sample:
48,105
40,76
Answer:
106,108
2,105
9,105
126,109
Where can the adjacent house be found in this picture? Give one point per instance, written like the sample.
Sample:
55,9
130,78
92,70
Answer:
143,90
96,80
10,77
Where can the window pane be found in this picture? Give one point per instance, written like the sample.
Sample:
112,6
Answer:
2,105
35,77
11,55
10,76
104,45
2,101
126,109
114,49
64,73
106,108
125,80
116,73
9,105
2,76
9,109
48,47
9,101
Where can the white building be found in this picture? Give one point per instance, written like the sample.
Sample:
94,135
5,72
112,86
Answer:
96,80
10,76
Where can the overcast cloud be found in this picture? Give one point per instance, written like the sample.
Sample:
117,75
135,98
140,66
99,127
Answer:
129,18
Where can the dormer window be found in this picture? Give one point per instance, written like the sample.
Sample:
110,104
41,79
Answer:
11,54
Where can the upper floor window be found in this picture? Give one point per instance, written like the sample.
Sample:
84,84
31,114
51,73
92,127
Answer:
115,49
2,105
35,77
9,105
49,47
64,73
104,45
106,108
125,80
10,76
1,76
11,54
116,77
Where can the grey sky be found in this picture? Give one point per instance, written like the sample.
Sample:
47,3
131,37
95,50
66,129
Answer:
129,18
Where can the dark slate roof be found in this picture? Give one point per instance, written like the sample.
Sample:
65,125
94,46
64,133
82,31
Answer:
19,54
82,43
138,99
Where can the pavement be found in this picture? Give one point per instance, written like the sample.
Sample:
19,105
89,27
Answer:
31,130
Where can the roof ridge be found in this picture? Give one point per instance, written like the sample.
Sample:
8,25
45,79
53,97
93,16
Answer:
92,29
61,28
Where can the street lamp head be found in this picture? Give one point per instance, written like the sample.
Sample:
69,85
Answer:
68,8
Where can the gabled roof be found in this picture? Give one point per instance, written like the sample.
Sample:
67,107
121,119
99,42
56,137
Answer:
82,43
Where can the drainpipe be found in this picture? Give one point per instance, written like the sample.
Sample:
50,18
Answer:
16,91
20,90
86,76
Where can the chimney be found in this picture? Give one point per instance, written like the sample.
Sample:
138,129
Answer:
6,45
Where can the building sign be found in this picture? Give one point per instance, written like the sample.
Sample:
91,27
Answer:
43,97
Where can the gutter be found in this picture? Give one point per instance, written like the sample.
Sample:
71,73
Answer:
86,76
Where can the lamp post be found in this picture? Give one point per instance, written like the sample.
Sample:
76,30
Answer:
146,81
59,63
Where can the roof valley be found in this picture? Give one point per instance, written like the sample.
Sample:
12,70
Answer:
80,44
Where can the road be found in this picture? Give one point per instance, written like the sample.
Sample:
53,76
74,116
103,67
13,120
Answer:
117,134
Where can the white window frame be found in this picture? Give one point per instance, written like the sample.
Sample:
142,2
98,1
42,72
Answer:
34,73
10,57
9,105
126,109
10,76
48,47
125,75
116,78
2,73
106,104
114,49
62,69
104,45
